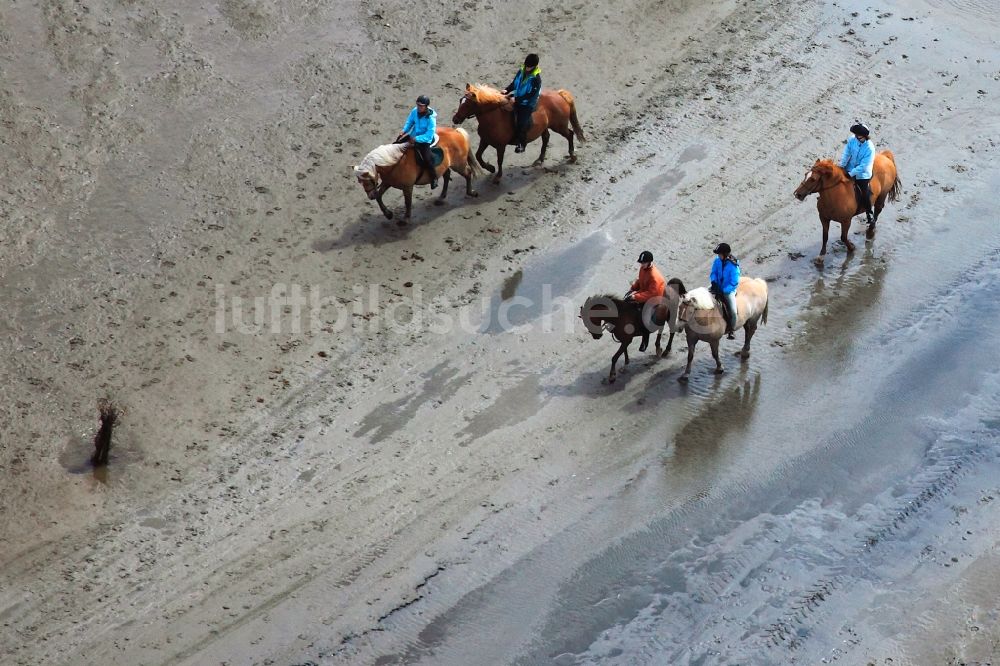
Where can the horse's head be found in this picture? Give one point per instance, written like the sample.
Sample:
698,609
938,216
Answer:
823,175
811,183
368,182
685,310
466,106
597,313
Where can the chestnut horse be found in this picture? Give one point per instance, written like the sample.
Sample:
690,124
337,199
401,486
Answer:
376,176
838,200
556,110
700,317
625,319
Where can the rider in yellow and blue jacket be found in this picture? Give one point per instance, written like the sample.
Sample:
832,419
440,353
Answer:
525,89
420,130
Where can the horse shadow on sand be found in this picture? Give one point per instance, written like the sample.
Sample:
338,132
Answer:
370,227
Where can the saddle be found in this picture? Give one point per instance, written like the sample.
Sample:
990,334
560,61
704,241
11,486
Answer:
437,154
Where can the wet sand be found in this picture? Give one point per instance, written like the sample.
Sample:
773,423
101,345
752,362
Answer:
321,488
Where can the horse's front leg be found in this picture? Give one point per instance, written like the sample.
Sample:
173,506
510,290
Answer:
545,145
623,349
500,151
826,236
687,371
670,342
479,156
659,335
714,345
844,228
378,199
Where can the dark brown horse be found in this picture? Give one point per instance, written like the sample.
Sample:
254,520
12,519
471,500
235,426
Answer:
837,198
383,168
556,111
626,320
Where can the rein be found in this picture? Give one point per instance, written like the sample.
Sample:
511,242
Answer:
828,187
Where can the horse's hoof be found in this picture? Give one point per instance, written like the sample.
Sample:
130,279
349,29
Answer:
719,371
819,260
439,202
683,379
611,379
489,168
742,354
659,353
496,179
473,194
388,215
538,162
403,222
572,159
850,247
870,234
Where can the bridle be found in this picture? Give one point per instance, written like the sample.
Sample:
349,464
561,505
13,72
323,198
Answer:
465,100
823,189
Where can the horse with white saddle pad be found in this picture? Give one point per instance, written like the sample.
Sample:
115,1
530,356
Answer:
701,318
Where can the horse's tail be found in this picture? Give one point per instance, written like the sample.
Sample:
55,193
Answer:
470,159
574,121
897,184
763,316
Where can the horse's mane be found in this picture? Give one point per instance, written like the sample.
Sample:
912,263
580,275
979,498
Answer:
617,300
386,155
828,167
701,298
485,94
676,282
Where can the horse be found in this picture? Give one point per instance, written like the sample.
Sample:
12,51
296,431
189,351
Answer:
625,319
701,318
393,165
556,110
837,198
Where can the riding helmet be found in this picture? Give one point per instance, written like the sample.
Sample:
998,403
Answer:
424,99
860,129
531,60
645,257
723,248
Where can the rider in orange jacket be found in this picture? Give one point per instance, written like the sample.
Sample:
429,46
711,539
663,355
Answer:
649,284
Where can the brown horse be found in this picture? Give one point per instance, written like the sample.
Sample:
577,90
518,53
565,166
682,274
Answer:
626,320
700,316
377,176
556,110
838,200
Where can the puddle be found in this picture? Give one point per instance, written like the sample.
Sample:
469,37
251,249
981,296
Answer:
529,293
514,405
75,458
693,153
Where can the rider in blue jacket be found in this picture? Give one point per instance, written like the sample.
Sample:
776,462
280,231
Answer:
857,161
725,278
525,89
419,131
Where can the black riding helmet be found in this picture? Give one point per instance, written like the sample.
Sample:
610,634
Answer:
424,99
645,257
859,129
